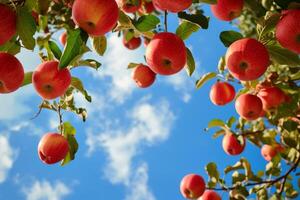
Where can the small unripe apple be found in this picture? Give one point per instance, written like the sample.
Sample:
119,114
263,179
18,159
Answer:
232,144
53,148
192,186
133,43
8,23
129,7
271,97
11,73
269,151
221,93
49,81
147,7
210,195
171,5
247,59
166,54
227,10
288,30
63,38
96,17
143,76
249,106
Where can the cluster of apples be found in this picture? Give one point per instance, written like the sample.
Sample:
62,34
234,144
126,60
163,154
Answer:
192,186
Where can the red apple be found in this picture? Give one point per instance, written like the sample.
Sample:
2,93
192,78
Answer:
8,23
288,30
271,97
210,195
166,54
129,6
143,76
222,93
249,106
192,186
227,10
171,5
133,43
49,81
270,151
11,73
63,38
232,144
247,59
53,148
96,17
147,7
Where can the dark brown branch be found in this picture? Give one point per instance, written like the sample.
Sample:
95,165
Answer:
166,21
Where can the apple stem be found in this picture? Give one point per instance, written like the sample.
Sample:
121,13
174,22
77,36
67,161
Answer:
166,21
60,119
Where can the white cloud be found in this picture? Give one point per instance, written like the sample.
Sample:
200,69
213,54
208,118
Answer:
149,124
44,190
115,68
7,156
139,189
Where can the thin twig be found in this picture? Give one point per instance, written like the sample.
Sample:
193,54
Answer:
166,21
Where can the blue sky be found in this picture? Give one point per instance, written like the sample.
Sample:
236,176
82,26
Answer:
136,144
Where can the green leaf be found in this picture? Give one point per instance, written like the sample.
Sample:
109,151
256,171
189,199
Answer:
26,27
198,18
74,47
132,65
146,23
77,84
69,132
212,171
216,123
88,63
12,47
55,49
185,29
99,44
229,37
207,1
204,79
283,56
219,133
27,79
191,65
231,121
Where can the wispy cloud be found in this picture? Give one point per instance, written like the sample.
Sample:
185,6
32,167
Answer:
149,124
7,157
41,190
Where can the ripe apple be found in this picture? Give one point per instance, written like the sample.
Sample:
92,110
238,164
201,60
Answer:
63,38
171,5
53,148
143,76
269,151
133,43
247,59
130,6
96,17
192,186
288,30
166,54
227,10
249,106
232,144
49,81
8,23
271,97
11,73
147,7
222,93
210,195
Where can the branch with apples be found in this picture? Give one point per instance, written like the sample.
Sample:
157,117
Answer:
260,72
